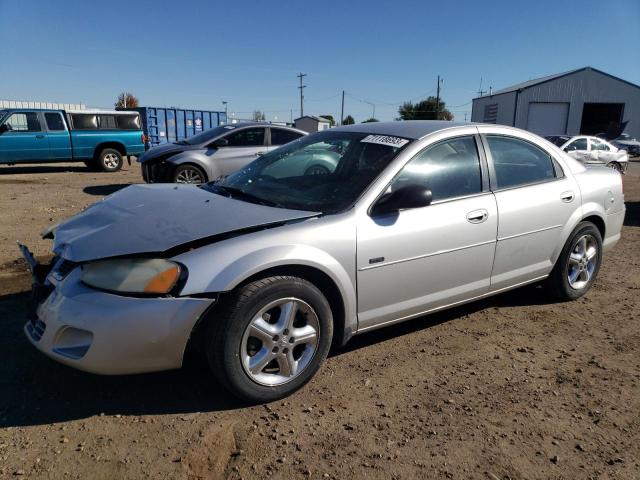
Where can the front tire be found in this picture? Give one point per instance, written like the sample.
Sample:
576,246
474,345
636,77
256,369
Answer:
188,173
110,160
578,264
616,166
269,338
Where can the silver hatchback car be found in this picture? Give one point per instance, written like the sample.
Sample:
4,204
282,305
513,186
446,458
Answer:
262,272
214,153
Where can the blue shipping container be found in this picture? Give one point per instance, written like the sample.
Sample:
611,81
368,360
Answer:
164,125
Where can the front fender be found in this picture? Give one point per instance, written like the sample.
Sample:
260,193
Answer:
231,272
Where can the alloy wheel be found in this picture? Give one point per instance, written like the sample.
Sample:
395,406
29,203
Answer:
280,341
582,262
189,175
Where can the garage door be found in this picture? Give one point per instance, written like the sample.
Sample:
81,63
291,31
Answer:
548,118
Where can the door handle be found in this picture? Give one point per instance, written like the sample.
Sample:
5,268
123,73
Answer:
39,136
567,196
477,216
257,154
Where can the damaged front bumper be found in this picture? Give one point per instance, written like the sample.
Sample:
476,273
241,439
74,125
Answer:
102,332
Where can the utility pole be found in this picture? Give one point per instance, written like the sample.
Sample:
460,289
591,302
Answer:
480,91
438,100
342,110
226,105
301,87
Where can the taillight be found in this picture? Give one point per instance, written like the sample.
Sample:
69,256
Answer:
144,138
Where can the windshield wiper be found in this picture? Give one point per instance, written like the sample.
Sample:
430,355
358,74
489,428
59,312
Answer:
181,142
237,193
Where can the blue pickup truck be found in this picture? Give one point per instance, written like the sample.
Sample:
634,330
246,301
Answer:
100,139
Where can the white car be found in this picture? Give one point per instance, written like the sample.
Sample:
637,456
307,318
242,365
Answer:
592,150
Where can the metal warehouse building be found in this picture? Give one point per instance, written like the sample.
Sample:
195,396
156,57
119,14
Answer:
583,101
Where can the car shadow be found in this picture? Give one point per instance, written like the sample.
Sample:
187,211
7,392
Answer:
632,217
527,295
102,190
37,390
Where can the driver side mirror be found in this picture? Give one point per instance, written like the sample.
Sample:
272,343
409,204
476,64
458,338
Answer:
409,196
4,128
221,142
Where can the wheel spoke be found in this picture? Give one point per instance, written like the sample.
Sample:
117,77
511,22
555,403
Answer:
262,330
288,315
260,360
288,365
306,334
583,245
591,253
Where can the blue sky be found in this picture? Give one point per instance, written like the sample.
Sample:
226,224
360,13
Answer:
194,54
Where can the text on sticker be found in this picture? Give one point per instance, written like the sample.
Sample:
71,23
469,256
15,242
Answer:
385,140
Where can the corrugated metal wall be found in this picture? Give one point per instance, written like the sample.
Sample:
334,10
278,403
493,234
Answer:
585,86
165,125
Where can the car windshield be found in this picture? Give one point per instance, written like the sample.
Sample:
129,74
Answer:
324,172
557,140
206,135
2,113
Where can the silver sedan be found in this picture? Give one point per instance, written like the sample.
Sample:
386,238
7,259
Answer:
214,153
264,271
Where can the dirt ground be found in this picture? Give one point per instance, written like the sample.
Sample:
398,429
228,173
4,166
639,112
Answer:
514,387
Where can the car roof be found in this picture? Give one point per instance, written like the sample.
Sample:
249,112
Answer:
261,124
412,129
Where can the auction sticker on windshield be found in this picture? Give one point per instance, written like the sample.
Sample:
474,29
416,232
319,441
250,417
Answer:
385,140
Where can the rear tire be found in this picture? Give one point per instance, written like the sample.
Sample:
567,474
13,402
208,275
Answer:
110,160
251,342
578,264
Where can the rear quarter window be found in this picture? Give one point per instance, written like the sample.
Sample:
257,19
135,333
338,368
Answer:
84,121
128,122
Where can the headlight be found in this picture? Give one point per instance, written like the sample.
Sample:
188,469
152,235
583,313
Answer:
153,276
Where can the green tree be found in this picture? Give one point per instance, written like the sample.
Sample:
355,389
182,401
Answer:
348,120
370,120
258,116
424,110
126,100
330,118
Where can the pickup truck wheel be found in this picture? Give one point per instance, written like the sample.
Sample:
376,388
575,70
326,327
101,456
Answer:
269,338
578,264
110,160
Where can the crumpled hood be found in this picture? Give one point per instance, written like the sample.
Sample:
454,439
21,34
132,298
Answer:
154,218
164,150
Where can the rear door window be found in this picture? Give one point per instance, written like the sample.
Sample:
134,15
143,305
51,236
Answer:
250,137
280,136
54,121
24,122
517,162
107,122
